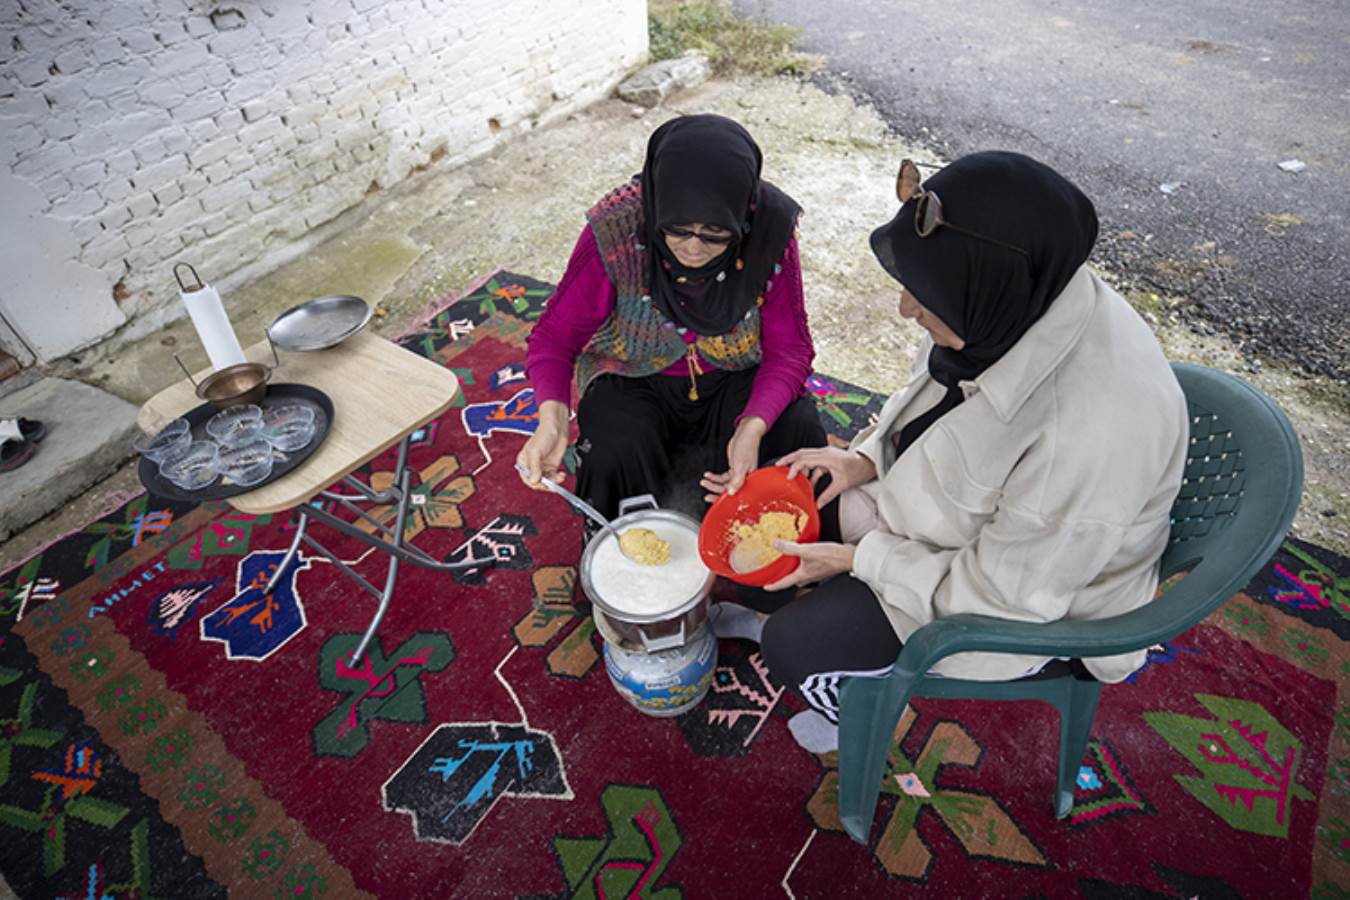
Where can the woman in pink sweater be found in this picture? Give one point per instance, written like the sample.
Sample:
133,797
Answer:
680,321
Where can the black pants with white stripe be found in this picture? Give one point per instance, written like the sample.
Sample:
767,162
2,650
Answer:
834,631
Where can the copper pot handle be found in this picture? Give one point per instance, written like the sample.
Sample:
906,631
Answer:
185,370
276,360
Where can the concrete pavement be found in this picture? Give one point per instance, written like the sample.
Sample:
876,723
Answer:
88,437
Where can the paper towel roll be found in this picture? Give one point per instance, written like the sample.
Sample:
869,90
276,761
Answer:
213,326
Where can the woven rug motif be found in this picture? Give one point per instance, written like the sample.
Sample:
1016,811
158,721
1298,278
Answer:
168,728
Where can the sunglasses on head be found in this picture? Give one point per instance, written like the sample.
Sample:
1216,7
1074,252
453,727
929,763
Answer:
928,216
684,234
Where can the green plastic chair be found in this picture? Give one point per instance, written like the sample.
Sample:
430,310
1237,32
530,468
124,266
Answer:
1243,481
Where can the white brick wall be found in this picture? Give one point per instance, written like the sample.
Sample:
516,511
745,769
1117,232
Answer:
217,132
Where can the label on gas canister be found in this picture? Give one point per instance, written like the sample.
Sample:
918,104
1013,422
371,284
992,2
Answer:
663,682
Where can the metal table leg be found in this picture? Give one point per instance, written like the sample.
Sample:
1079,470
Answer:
391,543
393,569
300,520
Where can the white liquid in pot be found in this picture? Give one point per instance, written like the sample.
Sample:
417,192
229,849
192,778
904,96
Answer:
630,587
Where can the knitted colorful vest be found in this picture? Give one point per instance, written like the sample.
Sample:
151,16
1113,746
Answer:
636,339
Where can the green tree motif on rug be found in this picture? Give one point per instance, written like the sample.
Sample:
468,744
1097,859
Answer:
137,523
516,297
230,535
25,588
139,885
18,730
629,861
387,688
1318,582
1248,762
67,798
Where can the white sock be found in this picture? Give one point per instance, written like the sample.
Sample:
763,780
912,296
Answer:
731,620
814,732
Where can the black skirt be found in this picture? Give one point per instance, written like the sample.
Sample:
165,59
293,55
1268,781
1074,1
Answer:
645,436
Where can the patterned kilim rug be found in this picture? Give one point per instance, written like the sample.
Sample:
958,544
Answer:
168,730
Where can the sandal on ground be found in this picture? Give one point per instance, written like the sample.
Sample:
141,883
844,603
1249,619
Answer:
16,447
32,429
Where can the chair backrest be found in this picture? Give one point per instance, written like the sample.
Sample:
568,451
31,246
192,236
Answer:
1241,489
1244,480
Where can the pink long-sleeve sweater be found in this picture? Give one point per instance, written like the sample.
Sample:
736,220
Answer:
585,298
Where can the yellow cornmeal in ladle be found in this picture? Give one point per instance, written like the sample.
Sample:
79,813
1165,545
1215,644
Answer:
641,545
754,542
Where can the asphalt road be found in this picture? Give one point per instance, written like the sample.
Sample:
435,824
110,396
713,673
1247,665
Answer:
1204,97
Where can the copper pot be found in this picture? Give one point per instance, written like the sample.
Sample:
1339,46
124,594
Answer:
233,385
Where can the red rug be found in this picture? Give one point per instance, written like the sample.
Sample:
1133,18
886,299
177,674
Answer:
168,730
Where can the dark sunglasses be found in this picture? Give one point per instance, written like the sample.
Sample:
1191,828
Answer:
928,216
684,234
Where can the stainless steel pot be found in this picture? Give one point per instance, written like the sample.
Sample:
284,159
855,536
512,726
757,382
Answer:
651,632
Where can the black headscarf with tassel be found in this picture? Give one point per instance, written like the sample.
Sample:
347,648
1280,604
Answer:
705,169
989,295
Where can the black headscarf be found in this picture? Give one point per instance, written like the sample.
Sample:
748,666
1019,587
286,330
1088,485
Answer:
989,295
706,169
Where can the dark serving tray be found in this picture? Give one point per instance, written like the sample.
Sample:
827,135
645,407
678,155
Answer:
282,463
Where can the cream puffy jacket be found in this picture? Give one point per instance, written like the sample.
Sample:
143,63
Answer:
1043,496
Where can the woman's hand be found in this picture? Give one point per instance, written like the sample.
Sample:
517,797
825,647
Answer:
846,468
818,561
742,459
543,452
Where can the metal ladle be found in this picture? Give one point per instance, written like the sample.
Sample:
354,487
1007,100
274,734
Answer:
583,507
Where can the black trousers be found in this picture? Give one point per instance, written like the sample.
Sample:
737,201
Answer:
835,630
645,436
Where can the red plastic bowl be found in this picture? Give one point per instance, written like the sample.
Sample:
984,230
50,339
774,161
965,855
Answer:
765,490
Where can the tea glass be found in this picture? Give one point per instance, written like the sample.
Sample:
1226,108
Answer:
192,467
289,426
237,425
172,437
248,464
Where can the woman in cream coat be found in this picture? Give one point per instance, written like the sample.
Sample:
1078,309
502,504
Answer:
1028,469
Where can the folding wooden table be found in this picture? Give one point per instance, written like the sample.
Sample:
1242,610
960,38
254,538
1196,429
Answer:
381,395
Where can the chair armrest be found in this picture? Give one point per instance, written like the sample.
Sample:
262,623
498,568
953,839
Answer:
1158,620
